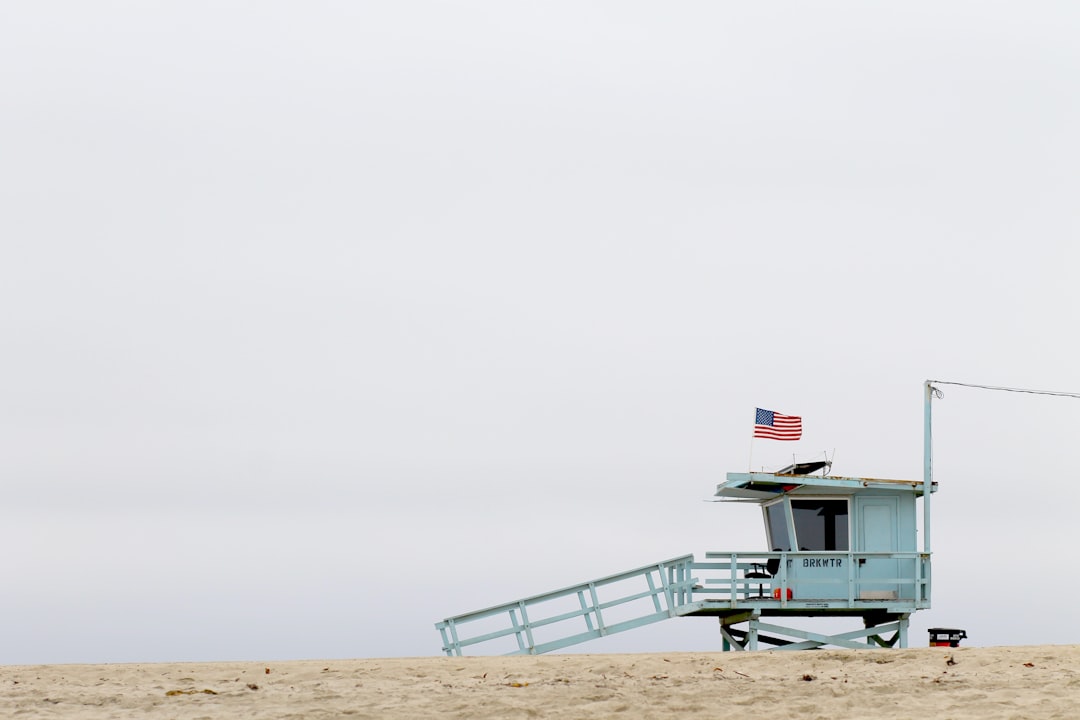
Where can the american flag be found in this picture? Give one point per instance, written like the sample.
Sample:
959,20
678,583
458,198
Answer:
774,426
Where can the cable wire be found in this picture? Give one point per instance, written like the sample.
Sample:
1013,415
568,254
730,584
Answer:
1056,393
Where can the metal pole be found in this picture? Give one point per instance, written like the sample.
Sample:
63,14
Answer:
928,470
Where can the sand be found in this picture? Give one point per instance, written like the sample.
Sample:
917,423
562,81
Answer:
1004,682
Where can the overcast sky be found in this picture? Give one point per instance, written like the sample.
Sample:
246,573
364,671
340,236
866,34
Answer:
323,321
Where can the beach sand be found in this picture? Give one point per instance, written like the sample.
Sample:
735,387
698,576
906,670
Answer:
1001,682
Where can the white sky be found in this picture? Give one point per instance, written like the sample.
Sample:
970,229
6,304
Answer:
323,321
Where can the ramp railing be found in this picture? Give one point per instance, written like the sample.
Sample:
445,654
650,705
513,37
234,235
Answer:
574,614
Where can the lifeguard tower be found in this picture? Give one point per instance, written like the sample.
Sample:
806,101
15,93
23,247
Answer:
838,547
841,547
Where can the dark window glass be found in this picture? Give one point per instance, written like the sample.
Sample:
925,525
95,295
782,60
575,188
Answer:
821,524
777,522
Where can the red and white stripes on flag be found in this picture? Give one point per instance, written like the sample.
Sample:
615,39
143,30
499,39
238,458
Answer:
774,426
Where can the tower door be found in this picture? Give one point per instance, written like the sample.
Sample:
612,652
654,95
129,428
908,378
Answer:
877,533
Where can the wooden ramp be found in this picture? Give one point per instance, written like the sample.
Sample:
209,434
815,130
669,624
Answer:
574,614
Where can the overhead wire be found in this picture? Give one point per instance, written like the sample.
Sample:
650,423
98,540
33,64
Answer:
1056,393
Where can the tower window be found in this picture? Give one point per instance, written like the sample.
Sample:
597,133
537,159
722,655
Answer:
821,524
776,522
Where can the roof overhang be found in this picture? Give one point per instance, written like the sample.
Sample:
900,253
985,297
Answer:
765,486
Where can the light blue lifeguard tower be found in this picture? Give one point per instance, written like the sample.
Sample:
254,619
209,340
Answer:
839,547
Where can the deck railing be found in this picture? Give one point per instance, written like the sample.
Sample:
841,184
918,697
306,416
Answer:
722,577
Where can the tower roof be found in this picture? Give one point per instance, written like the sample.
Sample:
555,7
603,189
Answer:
765,486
